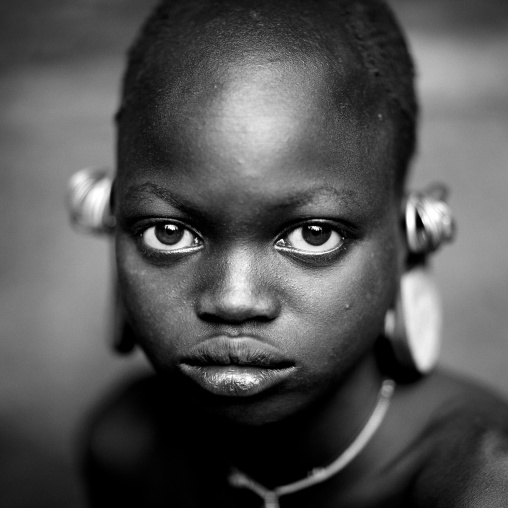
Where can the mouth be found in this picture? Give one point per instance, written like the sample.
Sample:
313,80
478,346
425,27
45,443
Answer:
236,367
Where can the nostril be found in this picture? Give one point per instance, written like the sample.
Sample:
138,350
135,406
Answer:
233,318
238,310
236,289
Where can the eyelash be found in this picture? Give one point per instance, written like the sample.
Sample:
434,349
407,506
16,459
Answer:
281,244
285,246
143,229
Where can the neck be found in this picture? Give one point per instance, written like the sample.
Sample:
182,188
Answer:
283,452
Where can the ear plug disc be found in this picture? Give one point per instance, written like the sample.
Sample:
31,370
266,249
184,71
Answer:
414,325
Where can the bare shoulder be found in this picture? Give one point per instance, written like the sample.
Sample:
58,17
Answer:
465,438
121,429
139,450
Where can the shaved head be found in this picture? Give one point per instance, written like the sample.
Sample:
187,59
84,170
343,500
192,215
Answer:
266,65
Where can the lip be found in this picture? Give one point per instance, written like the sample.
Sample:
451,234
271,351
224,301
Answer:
236,367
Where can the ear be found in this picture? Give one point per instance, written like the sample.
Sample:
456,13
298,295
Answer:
413,324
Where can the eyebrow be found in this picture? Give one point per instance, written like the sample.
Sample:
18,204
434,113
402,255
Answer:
160,192
309,196
347,198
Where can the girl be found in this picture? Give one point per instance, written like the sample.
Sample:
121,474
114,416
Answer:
271,266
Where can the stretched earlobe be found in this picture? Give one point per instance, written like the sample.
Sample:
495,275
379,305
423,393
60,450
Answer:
89,201
413,325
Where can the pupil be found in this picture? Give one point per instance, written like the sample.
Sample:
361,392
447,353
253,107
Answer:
168,234
316,235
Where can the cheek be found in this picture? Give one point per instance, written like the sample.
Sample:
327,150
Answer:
155,301
343,307
330,316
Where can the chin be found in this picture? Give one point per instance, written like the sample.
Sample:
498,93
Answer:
252,411
256,411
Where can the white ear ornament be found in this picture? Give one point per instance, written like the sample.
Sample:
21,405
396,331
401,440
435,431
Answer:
413,324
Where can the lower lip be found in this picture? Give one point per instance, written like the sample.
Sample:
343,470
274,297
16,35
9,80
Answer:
235,380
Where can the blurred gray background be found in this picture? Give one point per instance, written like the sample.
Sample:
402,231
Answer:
60,65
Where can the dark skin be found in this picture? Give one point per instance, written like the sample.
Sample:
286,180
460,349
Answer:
267,165
241,171
442,444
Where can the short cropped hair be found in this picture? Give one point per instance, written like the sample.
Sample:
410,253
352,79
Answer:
369,25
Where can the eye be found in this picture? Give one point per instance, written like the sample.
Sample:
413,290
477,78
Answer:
312,239
168,236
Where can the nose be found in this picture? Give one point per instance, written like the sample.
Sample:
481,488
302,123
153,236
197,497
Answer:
236,289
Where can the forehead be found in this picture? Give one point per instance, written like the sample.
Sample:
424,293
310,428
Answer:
272,117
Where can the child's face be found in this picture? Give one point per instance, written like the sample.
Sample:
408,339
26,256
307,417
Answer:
259,244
